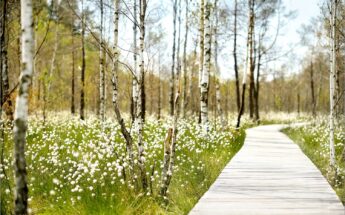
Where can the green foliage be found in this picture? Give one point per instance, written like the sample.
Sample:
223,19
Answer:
80,167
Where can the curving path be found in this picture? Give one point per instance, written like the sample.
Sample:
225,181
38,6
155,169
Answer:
269,175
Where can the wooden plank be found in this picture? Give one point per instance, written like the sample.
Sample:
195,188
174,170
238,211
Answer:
270,175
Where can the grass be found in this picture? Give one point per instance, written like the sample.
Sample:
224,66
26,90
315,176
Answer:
77,167
313,139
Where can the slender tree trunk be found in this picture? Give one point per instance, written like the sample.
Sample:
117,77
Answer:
73,76
217,72
159,87
257,91
82,76
332,81
298,103
206,69
1,44
21,111
140,107
257,84
249,58
101,70
48,75
238,101
201,46
166,162
115,70
172,81
151,86
313,101
54,57
337,79
185,67
167,175
252,64
318,100
170,142
178,58
134,99
190,94
4,65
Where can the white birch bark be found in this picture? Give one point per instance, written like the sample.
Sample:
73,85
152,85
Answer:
206,68
170,143
332,81
172,81
48,77
178,59
140,111
101,70
135,53
217,72
115,70
21,111
201,40
185,68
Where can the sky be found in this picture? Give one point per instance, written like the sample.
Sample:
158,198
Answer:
289,37
305,11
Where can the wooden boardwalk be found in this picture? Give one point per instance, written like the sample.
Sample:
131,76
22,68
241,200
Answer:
269,175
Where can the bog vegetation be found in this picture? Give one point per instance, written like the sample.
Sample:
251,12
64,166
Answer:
123,106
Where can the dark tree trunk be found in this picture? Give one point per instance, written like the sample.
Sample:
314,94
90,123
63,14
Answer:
298,104
257,87
82,99
6,98
242,106
313,101
73,77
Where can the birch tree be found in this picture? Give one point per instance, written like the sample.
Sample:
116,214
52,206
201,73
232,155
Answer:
170,142
82,71
115,71
21,110
201,45
101,69
333,17
238,101
159,108
49,74
185,67
252,62
134,99
206,68
170,145
217,72
3,46
313,101
73,71
141,94
172,81
249,58
178,59
265,11
4,64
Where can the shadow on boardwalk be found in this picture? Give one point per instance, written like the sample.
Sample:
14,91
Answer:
270,175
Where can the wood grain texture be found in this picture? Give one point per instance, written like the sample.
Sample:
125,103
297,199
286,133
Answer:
270,175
